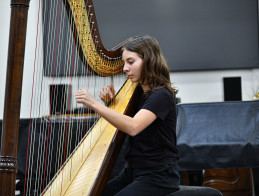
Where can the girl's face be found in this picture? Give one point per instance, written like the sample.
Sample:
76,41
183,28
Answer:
132,65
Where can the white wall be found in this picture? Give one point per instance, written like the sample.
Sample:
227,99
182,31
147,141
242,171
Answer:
205,86
4,34
29,52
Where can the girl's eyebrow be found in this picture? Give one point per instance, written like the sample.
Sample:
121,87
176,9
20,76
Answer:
129,58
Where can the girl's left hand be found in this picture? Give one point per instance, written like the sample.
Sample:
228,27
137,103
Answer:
84,97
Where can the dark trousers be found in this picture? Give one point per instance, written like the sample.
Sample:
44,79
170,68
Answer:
152,181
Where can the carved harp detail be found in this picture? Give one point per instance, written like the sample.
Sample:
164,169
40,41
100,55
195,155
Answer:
101,60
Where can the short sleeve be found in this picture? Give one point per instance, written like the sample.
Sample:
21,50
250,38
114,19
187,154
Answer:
159,102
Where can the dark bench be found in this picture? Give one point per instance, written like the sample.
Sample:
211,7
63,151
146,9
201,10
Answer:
196,191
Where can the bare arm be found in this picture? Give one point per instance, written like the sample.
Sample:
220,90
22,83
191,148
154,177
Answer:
127,124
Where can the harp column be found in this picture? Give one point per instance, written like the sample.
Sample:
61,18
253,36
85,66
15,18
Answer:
13,88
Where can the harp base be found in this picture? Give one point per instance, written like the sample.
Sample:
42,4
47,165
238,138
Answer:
8,170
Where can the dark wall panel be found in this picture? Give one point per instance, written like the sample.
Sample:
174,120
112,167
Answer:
193,34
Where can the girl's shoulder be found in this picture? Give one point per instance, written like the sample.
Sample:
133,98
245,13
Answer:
162,94
162,91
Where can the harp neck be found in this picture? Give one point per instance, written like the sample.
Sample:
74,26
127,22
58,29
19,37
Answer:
103,61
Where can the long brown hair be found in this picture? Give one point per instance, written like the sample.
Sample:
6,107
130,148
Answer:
155,72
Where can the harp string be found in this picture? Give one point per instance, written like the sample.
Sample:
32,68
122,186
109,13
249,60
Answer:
74,47
63,142
51,99
31,125
31,103
44,124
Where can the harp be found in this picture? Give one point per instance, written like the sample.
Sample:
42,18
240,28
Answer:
87,167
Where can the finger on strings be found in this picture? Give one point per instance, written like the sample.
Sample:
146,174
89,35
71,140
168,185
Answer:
112,87
103,90
101,95
107,90
112,92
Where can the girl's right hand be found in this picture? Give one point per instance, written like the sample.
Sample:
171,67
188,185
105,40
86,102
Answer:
107,93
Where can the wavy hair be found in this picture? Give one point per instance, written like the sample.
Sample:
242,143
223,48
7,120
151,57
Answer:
155,72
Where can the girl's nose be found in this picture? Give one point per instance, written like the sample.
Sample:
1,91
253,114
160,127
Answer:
125,68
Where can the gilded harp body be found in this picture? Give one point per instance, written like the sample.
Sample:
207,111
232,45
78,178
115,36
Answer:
83,170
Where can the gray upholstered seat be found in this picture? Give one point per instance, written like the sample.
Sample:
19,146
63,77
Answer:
196,191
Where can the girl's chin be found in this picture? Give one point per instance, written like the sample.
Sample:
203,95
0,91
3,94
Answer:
132,80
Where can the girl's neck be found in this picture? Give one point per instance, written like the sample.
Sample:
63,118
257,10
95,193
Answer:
145,88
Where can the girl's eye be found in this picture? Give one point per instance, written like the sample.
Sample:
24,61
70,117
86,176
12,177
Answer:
131,62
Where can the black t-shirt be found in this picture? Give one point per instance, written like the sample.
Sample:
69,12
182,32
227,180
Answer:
155,145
